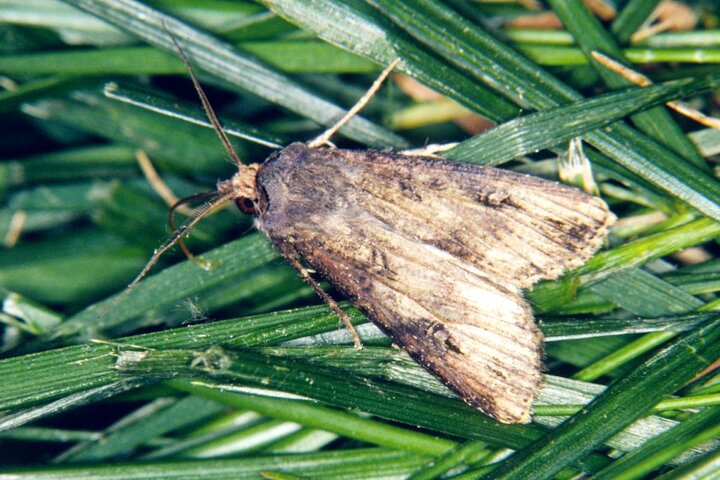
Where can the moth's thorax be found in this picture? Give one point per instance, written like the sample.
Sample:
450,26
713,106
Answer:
243,188
299,184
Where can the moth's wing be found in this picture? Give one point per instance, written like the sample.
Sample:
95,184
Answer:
517,228
477,336
429,250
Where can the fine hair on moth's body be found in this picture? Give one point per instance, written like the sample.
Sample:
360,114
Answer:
434,252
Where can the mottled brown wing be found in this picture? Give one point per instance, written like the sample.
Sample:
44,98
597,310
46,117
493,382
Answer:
435,253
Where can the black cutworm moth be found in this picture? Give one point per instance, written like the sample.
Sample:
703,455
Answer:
434,252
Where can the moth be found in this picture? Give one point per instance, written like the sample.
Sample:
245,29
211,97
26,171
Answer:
434,252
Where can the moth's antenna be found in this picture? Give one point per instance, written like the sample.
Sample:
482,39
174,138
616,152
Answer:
220,197
324,138
205,102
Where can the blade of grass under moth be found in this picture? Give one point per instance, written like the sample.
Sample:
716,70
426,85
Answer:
367,463
87,366
444,31
61,372
408,405
563,398
590,36
624,401
291,412
231,65
558,393
101,368
439,413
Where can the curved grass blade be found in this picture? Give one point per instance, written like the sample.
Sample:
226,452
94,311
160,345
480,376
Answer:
195,115
537,131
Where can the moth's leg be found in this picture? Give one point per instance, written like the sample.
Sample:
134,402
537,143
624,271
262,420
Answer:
292,259
205,102
324,138
430,150
639,79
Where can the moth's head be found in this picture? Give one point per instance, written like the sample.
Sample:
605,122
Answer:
242,188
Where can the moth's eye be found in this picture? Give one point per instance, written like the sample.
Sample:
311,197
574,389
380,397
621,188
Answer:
246,205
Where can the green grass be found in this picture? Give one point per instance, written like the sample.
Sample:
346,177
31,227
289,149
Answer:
239,369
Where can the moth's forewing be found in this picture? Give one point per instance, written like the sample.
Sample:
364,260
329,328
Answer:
435,253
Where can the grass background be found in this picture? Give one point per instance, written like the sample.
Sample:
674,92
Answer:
207,372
